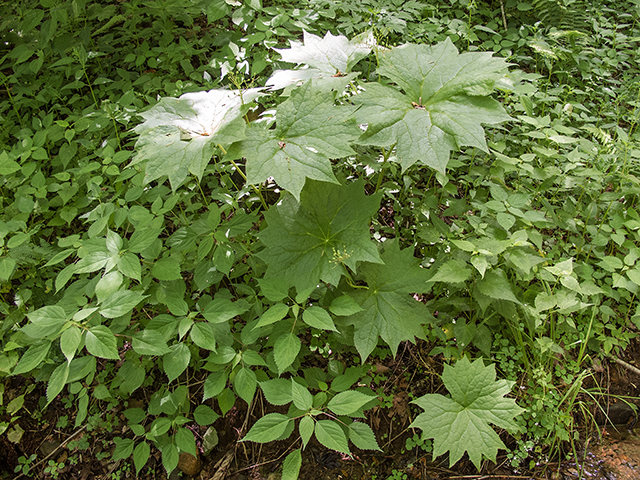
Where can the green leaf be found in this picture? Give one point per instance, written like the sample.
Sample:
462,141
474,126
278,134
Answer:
245,384
114,242
221,309
496,285
149,342
348,378
310,240
46,321
286,350
454,271
347,403
160,426
203,336
214,384
179,135
306,428
108,285
204,415
277,391
69,342
344,306
167,269
317,317
145,235
268,428
57,381
441,108
15,405
388,309
129,265
32,358
170,457
92,262
176,361
302,398
185,441
274,314
461,423
226,400
291,465
140,456
362,436
331,435
275,289
120,303
101,342
124,449
310,130
7,166
7,266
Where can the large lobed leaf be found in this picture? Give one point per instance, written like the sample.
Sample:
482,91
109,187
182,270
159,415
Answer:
462,423
179,135
388,309
313,239
441,106
329,58
310,130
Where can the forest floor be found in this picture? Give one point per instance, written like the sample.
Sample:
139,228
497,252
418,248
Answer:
54,449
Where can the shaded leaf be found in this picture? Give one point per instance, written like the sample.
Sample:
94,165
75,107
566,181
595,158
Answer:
310,240
461,423
388,309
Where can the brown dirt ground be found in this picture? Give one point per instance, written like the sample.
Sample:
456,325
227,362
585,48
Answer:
615,455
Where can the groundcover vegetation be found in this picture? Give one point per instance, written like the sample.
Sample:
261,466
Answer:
219,207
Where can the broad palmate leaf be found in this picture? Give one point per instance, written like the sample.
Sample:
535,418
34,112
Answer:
309,131
179,135
441,107
329,58
461,423
315,238
388,309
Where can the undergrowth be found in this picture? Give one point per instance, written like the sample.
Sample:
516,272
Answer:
225,203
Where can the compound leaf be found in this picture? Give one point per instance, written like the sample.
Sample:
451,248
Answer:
141,455
310,240
57,381
291,465
268,428
349,402
176,361
362,436
331,435
286,350
441,106
101,342
461,423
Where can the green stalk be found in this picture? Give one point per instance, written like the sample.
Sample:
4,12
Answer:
385,155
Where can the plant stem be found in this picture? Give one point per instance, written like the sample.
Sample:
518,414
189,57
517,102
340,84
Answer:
385,155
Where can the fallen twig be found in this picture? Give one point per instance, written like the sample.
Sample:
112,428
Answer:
56,450
626,365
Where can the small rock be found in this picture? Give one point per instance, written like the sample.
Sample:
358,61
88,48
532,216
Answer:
48,447
189,465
